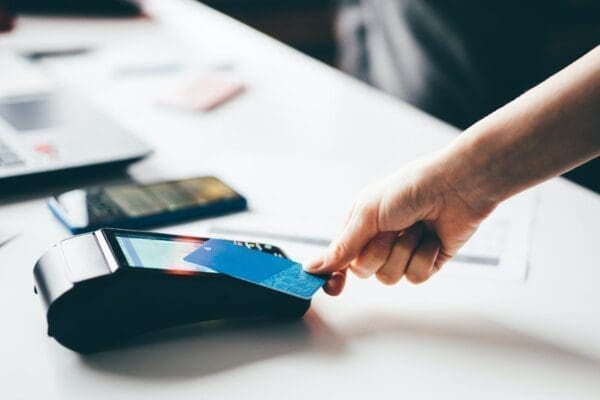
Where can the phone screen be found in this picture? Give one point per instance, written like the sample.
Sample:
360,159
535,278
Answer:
101,206
166,252
138,200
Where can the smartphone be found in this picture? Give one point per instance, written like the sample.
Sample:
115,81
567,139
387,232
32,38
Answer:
135,205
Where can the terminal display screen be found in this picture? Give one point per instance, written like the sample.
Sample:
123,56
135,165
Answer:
159,253
166,252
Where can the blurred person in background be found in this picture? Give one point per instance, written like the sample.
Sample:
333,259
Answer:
7,19
460,60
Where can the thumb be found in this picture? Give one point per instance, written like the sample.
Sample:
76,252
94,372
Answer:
358,232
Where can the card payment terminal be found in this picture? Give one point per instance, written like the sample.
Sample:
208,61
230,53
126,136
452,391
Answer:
102,287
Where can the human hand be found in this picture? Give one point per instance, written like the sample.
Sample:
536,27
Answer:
409,225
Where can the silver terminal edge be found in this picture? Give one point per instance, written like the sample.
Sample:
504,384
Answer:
109,257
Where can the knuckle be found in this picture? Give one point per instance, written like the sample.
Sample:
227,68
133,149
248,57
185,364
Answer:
413,198
361,271
416,277
443,257
364,267
386,278
376,254
383,242
407,241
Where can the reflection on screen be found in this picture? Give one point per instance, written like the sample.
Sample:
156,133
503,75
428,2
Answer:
159,253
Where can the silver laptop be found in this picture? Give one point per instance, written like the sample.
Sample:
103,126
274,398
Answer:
46,130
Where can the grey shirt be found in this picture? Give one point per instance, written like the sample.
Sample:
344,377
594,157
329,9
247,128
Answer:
462,59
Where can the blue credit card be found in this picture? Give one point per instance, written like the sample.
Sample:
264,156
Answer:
256,267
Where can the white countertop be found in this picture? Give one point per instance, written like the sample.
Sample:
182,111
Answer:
303,140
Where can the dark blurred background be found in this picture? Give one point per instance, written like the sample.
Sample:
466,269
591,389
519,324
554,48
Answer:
456,59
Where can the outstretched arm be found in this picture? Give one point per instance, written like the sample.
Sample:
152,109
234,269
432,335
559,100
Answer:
414,221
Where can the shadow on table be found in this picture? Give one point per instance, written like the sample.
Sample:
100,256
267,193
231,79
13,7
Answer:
470,333
208,348
15,191
205,349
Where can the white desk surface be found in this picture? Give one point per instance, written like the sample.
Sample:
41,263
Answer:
303,140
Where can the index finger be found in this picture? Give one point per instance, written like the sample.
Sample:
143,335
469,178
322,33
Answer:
357,233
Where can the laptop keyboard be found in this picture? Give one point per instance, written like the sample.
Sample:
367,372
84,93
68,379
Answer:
8,157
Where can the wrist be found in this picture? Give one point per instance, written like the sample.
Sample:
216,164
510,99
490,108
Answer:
470,171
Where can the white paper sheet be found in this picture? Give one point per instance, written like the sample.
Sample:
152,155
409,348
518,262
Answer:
500,247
